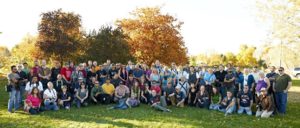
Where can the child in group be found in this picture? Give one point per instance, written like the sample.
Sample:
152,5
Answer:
64,99
215,99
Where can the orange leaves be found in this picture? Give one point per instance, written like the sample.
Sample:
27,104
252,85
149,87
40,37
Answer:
153,35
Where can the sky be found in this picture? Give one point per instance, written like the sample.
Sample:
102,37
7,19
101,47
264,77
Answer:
209,25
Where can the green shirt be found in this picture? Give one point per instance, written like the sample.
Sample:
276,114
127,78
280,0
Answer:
96,90
215,99
282,82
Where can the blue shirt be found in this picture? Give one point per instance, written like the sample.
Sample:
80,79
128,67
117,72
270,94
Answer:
209,78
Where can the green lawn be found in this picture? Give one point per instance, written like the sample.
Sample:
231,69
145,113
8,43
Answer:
296,82
143,116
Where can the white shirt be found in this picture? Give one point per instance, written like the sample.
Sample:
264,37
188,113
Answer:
30,86
51,94
256,76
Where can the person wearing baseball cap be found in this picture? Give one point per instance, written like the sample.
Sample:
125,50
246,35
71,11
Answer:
265,106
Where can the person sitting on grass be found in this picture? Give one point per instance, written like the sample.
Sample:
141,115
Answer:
95,93
121,94
33,102
50,97
169,94
215,99
228,104
245,101
202,98
108,92
82,95
64,99
265,106
146,94
134,99
180,97
155,102
192,95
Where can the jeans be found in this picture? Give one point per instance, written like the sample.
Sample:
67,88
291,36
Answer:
160,107
229,111
78,103
245,109
214,106
121,105
22,94
50,105
281,101
13,101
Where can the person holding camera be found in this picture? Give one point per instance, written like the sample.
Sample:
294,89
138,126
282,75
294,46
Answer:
265,106
13,89
50,97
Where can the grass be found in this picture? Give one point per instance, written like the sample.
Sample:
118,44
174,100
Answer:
143,116
296,82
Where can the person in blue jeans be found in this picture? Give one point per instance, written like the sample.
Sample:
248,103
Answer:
50,97
245,101
14,89
283,83
228,104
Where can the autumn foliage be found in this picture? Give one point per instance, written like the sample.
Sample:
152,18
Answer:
154,36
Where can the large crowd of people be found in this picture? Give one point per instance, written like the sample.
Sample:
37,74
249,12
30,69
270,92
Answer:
227,89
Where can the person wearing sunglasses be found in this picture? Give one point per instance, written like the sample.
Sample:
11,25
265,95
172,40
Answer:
282,84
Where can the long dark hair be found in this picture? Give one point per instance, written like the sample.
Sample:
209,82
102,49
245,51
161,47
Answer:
38,94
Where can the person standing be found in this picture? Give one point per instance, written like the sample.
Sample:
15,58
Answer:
44,74
283,83
14,89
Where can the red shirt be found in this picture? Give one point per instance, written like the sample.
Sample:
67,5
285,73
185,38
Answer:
35,71
67,72
35,101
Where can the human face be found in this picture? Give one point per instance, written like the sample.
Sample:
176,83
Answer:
50,85
229,94
246,89
202,88
221,68
214,90
64,89
82,86
35,91
272,69
14,70
34,79
281,71
43,62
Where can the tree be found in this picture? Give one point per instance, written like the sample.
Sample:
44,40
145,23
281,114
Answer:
245,57
4,59
107,43
59,34
230,58
26,51
283,15
154,36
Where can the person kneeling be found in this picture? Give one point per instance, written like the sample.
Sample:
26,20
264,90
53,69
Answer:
95,93
228,104
180,97
265,106
108,92
82,95
33,102
245,101
64,99
50,97
202,98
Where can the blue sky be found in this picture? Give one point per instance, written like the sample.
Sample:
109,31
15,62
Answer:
209,25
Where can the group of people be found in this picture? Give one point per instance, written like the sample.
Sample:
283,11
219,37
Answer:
226,89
